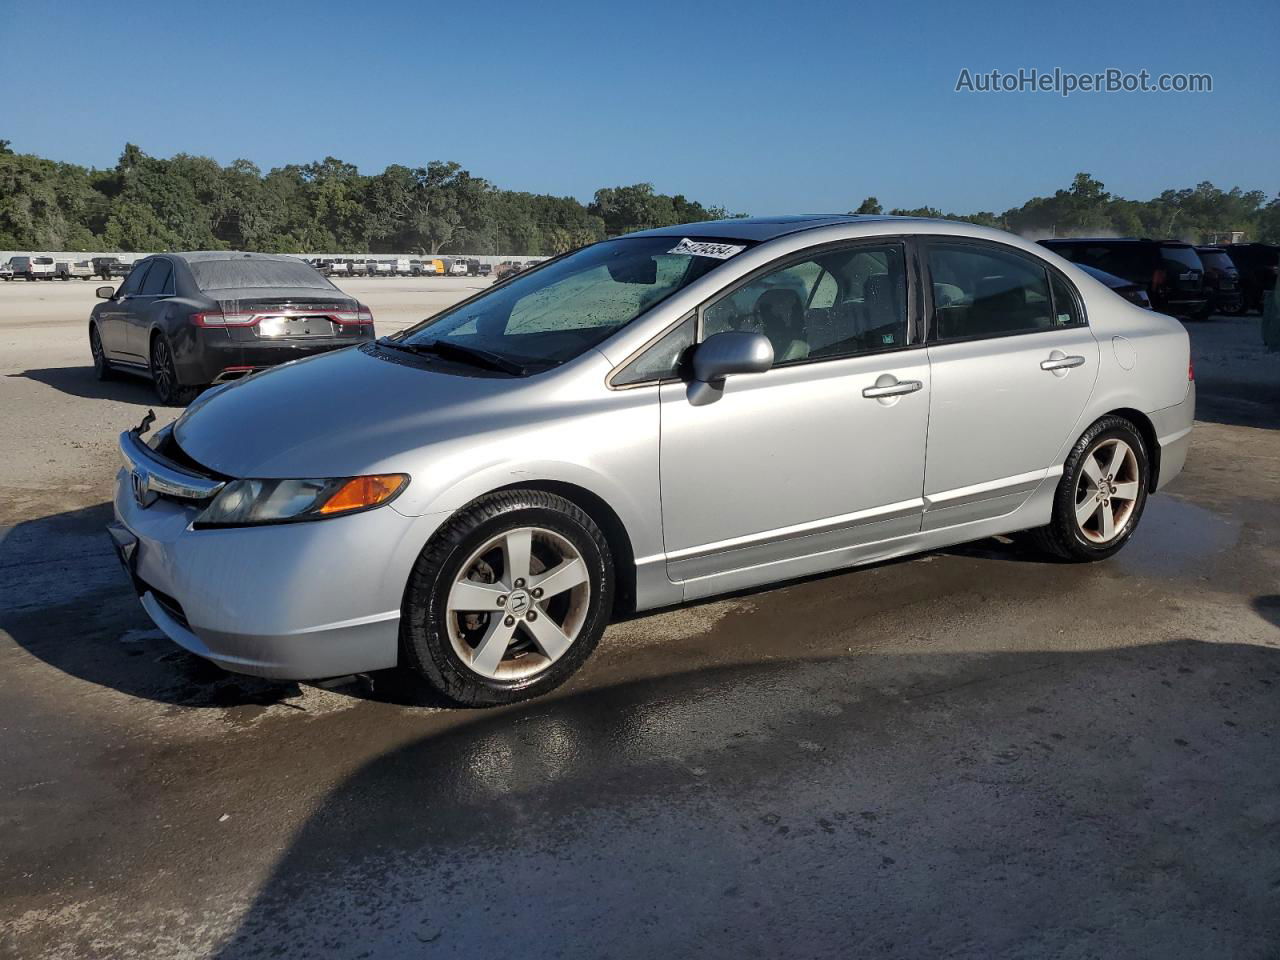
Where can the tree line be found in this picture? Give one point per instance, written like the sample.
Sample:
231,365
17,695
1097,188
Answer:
186,202
1086,209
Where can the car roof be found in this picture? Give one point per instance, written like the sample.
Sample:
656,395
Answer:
761,229
1164,243
200,256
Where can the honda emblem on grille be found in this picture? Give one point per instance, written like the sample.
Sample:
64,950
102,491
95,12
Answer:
142,492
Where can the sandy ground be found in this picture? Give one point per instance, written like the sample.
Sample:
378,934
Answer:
968,754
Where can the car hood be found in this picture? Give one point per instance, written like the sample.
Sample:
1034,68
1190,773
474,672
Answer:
341,414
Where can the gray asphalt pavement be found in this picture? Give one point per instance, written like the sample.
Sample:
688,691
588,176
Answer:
975,753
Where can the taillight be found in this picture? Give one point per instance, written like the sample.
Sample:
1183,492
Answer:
360,315
216,319
1157,278
1191,369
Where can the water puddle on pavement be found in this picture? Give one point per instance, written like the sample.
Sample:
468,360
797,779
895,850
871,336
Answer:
1177,538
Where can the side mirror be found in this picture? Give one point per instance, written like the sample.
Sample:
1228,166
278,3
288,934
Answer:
106,293
723,354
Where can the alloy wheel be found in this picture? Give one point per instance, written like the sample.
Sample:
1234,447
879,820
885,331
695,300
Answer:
95,347
518,603
162,372
1107,491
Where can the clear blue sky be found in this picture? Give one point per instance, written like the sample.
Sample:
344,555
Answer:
761,107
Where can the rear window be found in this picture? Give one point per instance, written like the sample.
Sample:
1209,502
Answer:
1216,259
1182,255
256,274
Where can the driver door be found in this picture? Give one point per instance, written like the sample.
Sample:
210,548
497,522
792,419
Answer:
817,462
113,318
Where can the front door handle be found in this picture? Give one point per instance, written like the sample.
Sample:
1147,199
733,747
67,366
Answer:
895,389
1061,363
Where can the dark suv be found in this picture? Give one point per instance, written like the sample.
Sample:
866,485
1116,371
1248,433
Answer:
1257,263
1170,270
1221,280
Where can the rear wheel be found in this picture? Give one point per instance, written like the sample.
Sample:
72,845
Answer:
164,375
508,599
1101,495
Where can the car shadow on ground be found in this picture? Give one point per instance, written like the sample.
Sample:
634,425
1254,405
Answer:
980,805
1268,608
67,601
82,382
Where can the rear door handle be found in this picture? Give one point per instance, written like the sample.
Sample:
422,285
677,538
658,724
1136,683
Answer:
1061,363
892,389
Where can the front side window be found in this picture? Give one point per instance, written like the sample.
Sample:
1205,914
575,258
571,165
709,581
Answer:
557,312
838,303
981,291
662,360
133,283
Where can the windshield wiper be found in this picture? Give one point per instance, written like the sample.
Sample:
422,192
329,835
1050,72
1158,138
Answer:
460,352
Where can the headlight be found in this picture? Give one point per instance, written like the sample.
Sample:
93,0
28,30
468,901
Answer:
244,502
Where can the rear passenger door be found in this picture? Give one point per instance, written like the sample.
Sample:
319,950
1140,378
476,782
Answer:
1012,364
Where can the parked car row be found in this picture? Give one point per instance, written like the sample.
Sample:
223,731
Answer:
401,267
46,268
1177,278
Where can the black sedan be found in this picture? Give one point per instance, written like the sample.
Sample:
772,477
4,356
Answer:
188,320
1133,292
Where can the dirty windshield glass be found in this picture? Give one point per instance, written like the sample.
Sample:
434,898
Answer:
249,274
553,314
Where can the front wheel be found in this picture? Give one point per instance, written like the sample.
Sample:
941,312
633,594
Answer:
508,598
1101,495
101,365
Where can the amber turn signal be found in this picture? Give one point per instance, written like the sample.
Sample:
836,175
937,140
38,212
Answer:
359,493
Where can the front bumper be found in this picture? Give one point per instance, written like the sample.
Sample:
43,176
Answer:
293,601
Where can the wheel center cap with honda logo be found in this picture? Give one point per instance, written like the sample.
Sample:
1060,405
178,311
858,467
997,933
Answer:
518,603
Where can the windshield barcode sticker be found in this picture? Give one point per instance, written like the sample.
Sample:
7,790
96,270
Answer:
700,248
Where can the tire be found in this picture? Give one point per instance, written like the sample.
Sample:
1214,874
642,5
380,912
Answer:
164,375
448,647
101,365
1095,537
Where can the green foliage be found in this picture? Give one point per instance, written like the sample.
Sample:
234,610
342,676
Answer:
192,203
186,202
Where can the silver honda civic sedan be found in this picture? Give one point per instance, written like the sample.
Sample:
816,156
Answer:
646,421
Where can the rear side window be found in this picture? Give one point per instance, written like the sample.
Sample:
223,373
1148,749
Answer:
981,291
159,280
1066,307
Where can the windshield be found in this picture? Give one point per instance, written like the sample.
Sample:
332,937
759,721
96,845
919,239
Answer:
551,315
246,273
